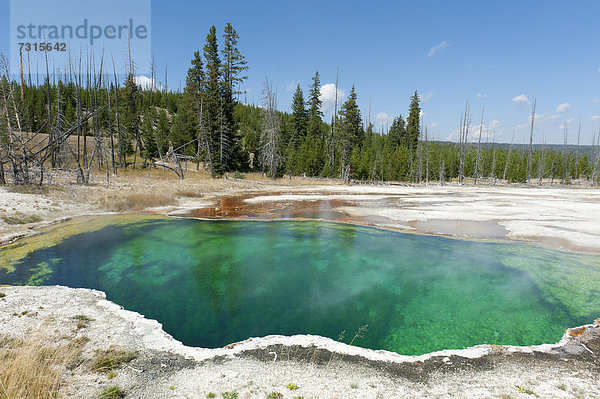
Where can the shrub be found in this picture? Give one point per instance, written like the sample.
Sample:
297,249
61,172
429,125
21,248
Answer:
112,393
19,218
110,359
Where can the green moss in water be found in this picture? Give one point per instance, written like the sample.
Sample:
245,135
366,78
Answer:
211,283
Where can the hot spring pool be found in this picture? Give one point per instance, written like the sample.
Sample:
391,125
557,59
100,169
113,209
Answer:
211,283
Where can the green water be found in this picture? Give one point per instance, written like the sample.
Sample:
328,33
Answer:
211,283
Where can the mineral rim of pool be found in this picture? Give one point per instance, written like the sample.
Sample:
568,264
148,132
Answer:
211,282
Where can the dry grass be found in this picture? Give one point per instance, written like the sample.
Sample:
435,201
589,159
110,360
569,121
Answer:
20,218
29,189
108,360
189,194
136,201
112,393
30,368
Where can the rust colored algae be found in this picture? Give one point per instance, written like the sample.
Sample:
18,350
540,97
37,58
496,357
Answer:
576,332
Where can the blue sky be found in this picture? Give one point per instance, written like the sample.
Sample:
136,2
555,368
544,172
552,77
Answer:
498,55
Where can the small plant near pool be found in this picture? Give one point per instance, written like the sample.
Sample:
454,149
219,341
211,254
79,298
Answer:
2,294
82,321
211,395
292,386
275,395
229,395
525,390
110,359
112,393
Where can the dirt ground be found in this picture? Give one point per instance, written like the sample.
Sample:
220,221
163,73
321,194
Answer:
315,367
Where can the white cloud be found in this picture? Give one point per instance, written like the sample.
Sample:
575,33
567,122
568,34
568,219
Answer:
595,118
595,101
480,96
474,130
486,128
440,46
426,97
146,83
434,124
564,107
539,119
521,99
421,114
598,69
494,124
382,119
327,96
292,86
565,124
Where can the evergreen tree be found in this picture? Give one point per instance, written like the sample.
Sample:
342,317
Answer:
350,130
310,155
315,114
397,132
413,124
150,149
194,80
232,69
184,127
217,148
130,115
163,131
193,97
299,120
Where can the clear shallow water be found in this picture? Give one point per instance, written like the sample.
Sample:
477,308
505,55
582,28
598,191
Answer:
211,283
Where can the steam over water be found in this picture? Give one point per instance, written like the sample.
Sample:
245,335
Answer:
211,283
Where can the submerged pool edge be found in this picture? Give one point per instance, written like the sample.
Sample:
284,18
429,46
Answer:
149,334
506,240
335,225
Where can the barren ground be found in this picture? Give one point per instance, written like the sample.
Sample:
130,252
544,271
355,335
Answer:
321,368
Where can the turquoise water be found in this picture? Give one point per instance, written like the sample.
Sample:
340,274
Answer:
211,283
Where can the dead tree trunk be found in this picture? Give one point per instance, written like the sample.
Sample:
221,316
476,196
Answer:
478,147
564,171
271,136
529,158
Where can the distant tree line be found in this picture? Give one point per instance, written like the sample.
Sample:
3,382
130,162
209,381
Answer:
86,115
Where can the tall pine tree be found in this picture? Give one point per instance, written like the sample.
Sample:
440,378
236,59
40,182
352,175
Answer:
309,157
217,147
232,69
193,101
413,124
397,133
350,130
299,120
315,114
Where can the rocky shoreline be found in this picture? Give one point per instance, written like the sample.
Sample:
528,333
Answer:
318,366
